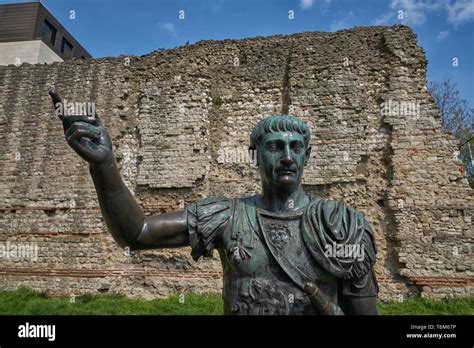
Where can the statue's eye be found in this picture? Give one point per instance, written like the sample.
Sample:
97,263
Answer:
297,147
271,146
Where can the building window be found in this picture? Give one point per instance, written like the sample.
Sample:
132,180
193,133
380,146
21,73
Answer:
49,32
66,48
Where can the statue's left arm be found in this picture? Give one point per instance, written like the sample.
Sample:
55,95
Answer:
359,296
330,226
360,306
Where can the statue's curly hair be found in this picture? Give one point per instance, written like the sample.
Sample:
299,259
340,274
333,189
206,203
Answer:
279,123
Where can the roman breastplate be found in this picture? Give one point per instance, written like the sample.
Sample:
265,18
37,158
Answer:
266,264
283,237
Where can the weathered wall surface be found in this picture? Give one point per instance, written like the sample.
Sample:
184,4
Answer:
175,144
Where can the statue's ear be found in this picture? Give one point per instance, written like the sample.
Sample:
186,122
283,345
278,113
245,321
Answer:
308,154
253,156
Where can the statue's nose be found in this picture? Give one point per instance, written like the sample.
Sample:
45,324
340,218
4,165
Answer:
287,160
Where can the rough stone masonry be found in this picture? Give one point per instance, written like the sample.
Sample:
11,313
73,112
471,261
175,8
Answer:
179,119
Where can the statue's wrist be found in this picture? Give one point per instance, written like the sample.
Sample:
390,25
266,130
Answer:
106,166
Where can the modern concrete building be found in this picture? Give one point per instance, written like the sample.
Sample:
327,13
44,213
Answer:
30,34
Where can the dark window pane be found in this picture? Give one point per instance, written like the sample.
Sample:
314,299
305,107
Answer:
49,32
66,48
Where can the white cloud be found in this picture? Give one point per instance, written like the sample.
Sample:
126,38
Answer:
304,4
167,26
415,12
342,23
460,11
325,6
442,35
385,19
214,6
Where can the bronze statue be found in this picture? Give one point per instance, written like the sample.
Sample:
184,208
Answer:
282,251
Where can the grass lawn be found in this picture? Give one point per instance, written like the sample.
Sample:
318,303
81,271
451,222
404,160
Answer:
28,302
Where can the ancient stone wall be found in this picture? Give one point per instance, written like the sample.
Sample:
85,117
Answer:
180,121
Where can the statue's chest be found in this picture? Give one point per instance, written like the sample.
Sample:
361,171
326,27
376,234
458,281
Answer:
259,243
266,264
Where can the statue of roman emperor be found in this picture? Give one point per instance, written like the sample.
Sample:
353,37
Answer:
282,251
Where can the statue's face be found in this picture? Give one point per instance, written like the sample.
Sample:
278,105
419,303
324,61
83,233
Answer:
281,159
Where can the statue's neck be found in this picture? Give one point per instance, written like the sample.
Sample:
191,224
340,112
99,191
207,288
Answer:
277,200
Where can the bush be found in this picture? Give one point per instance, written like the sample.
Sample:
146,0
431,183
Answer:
217,101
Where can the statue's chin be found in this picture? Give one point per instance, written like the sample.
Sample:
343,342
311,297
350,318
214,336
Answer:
286,182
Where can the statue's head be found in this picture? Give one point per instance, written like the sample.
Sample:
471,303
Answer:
282,146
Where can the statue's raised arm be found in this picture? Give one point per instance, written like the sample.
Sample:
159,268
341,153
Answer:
125,220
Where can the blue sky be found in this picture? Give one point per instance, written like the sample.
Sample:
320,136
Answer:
445,28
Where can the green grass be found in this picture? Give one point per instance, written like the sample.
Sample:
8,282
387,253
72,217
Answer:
28,302
421,306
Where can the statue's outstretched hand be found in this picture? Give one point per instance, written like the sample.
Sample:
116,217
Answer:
84,133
